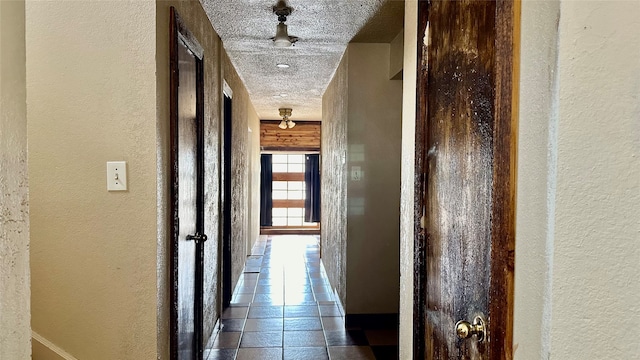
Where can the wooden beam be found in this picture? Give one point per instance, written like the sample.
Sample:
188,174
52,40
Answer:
305,136
288,176
288,203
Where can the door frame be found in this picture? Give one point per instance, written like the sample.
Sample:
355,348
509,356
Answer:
179,32
506,72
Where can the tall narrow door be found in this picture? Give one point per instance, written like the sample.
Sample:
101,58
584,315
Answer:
187,201
187,194
466,125
227,269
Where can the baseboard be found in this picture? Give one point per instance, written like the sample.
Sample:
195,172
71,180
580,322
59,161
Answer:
214,334
336,296
43,349
294,231
372,321
338,301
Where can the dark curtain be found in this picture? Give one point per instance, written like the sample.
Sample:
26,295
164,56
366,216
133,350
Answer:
266,187
312,183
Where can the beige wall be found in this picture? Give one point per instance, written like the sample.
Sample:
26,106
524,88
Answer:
15,331
577,226
373,202
578,182
99,259
333,202
596,231
195,19
91,95
407,177
253,201
361,126
396,56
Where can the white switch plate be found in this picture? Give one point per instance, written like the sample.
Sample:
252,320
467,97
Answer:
116,175
356,173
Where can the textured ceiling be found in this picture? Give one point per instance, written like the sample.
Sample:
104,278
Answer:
324,27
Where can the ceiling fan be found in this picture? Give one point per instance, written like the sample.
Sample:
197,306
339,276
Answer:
282,38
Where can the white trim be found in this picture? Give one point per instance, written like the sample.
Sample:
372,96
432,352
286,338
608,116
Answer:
51,346
226,89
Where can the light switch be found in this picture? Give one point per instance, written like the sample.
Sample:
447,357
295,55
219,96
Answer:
356,173
116,175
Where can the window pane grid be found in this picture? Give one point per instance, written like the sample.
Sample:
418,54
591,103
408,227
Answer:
290,217
288,163
289,190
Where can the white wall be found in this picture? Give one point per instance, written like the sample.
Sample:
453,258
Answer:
91,95
15,334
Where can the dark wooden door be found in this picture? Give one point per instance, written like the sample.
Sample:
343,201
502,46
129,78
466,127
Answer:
187,194
466,205
227,114
187,200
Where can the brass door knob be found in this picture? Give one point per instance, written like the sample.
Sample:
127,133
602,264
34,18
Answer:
465,330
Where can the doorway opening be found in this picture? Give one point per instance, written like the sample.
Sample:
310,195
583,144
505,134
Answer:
290,178
294,193
227,123
289,192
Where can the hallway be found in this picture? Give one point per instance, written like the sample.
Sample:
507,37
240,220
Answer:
283,308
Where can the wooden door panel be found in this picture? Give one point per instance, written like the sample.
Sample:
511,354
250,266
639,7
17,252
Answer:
187,200
227,154
467,230
187,192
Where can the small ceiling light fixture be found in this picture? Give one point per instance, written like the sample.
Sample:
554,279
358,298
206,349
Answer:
282,38
286,123
282,65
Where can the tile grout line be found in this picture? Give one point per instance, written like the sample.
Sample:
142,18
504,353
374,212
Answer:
310,260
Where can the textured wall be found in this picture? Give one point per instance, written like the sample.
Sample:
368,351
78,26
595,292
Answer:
91,85
243,116
192,14
253,201
578,186
15,329
334,180
373,201
596,230
407,177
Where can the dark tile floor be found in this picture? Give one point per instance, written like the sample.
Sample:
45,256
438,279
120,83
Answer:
283,308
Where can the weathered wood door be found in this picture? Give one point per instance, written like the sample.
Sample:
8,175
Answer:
465,204
187,250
